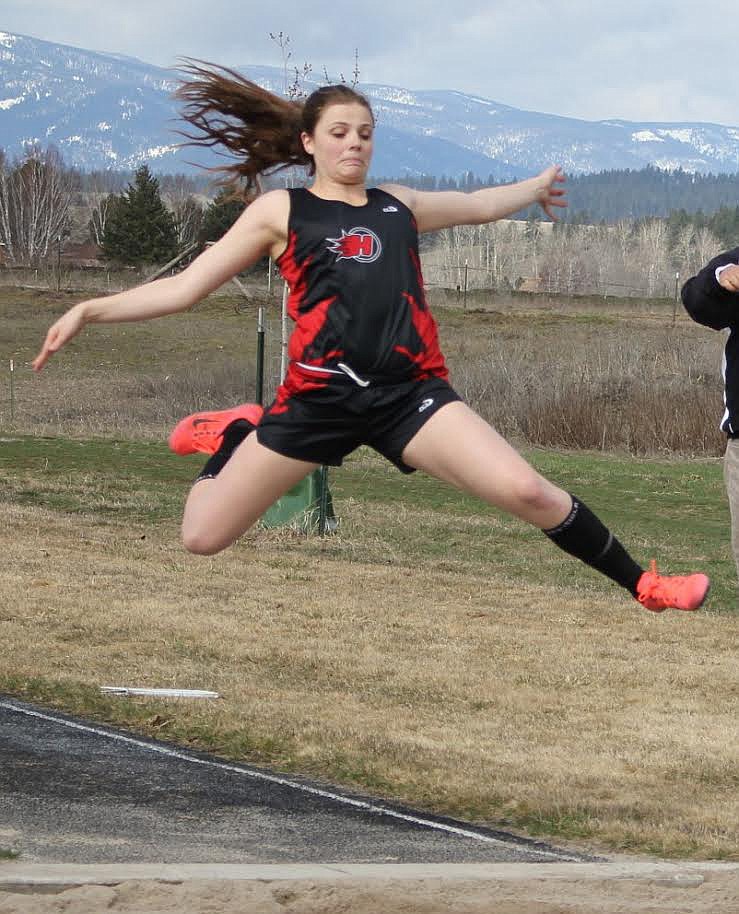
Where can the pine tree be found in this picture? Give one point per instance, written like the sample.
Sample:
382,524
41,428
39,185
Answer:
220,216
139,228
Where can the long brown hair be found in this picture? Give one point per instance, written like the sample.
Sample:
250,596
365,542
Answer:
260,129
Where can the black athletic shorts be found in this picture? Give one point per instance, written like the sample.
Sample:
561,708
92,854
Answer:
325,425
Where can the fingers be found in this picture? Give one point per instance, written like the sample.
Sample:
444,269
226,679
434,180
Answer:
58,335
553,195
550,212
50,346
729,279
41,359
555,173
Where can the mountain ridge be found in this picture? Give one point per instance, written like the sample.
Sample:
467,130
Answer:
107,110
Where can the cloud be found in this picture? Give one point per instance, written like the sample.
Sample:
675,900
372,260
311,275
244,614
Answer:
584,58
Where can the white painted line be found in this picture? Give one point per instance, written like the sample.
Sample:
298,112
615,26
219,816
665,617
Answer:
284,782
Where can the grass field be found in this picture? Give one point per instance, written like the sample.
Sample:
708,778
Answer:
433,651
628,376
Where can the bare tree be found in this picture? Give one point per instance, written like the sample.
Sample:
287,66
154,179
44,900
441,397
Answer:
6,235
623,233
652,238
98,219
188,219
295,88
707,246
101,188
683,250
35,196
186,210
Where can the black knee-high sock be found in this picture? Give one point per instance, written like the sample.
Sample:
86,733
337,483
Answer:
581,534
232,438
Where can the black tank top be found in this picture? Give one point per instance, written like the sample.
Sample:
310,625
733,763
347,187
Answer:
356,289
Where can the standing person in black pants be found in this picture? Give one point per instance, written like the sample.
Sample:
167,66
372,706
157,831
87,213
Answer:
365,362
712,298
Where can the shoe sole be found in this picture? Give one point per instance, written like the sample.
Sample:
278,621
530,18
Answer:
704,597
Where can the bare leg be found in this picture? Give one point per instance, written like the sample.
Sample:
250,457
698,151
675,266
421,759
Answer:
459,447
456,445
219,510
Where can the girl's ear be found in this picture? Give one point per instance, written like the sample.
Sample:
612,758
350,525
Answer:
307,140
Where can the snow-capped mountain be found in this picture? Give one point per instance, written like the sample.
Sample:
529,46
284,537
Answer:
105,110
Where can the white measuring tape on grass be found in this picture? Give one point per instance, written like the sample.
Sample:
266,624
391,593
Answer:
160,693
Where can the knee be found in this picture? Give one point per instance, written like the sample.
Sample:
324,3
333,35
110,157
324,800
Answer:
200,541
531,492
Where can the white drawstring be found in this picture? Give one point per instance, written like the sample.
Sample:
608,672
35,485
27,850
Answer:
355,377
345,369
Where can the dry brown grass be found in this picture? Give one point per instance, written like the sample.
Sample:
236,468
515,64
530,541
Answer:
635,387
440,676
551,373
445,683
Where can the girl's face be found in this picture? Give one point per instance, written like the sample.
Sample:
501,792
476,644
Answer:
341,144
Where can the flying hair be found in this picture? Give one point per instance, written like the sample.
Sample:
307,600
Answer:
258,129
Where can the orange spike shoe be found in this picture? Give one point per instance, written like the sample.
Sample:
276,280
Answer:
658,592
203,432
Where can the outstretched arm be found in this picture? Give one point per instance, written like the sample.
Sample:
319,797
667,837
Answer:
441,209
260,230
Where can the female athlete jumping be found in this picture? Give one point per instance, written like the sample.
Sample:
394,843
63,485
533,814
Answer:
365,365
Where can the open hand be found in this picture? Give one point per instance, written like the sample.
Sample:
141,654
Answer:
729,278
61,332
548,193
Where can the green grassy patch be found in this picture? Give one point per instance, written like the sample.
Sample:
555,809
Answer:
672,510
97,477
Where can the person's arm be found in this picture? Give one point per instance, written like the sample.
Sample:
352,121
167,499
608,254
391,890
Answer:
261,229
711,299
434,210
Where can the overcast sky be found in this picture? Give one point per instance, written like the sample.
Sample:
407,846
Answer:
657,60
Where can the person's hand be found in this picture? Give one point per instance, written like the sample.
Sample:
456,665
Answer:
729,278
548,194
61,332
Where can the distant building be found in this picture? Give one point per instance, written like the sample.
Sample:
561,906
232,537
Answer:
83,255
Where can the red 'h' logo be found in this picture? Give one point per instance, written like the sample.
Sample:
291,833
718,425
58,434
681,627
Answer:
357,244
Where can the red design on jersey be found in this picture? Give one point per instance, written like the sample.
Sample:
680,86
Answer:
295,383
430,360
305,332
295,275
357,244
308,324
